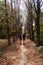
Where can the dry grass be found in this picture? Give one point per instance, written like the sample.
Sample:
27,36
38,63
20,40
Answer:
3,41
3,44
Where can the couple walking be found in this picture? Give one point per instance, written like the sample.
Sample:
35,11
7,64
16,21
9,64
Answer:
22,38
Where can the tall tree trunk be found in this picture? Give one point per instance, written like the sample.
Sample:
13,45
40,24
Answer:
9,36
32,32
31,23
7,23
38,28
38,22
30,19
12,13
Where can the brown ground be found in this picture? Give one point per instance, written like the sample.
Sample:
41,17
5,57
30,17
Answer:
13,55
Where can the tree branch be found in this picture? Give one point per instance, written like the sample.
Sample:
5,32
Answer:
25,4
34,6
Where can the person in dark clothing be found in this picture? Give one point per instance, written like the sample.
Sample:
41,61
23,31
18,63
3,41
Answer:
20,37
24,36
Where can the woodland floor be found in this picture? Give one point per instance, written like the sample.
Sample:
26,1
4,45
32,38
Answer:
17,54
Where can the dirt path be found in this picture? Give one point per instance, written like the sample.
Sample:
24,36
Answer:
21,54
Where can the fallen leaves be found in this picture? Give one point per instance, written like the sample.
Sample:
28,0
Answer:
31,55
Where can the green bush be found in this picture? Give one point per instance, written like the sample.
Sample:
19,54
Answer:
3,33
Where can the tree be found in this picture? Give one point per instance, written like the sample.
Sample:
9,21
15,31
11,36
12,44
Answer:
37,20
29,20
17,17
15,14
8,30
13,20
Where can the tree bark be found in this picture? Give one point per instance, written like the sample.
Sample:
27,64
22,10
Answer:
38,29
7,23
38,22
30,21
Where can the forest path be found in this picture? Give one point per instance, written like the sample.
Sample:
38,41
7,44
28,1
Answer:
25,54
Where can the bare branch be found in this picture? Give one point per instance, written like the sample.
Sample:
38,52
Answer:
34,6
25,4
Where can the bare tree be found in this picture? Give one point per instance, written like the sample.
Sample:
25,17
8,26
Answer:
12,16
29,20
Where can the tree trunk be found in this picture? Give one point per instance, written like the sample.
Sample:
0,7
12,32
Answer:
31,23
38,22
7,23
9,40
38,29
